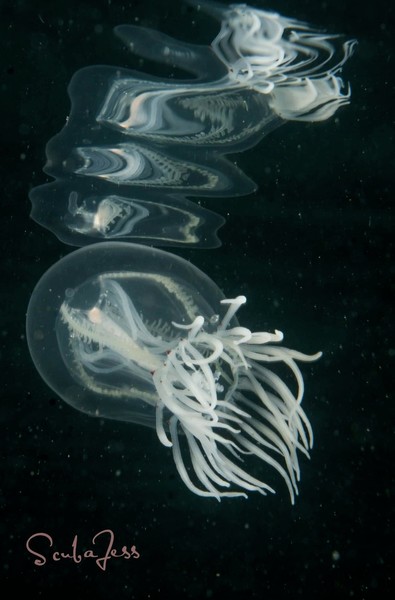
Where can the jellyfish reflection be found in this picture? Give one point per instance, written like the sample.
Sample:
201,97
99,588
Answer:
130,131
82,214
150,339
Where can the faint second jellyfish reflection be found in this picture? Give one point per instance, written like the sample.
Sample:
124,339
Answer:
150,339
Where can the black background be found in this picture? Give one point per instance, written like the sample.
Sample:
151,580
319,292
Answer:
313,252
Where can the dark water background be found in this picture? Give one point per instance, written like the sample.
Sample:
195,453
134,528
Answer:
313,252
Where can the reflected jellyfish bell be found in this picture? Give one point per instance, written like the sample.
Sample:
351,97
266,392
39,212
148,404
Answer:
134,333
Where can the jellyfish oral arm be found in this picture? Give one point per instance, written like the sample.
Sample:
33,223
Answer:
97,327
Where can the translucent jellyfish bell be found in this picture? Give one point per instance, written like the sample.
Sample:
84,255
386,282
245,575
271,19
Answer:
134,333
161,287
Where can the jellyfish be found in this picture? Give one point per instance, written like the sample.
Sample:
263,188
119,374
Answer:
131,135
128,332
